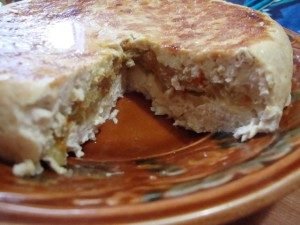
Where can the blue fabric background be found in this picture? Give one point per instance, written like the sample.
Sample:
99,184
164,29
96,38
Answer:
286,12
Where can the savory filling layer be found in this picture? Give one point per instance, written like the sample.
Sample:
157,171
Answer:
85,111
82,110
194,84
187,95
189,109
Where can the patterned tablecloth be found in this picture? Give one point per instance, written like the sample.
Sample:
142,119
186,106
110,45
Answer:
286,12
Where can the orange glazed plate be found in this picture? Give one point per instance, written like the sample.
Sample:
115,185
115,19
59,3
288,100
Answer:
144,170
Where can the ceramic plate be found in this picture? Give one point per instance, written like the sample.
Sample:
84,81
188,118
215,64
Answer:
143,170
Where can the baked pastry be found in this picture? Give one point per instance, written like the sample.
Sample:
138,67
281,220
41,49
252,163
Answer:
210,65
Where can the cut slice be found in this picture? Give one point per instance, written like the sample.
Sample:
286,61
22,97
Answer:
210,65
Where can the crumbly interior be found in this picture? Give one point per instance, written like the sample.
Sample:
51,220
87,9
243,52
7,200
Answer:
210,95
91,103
194,97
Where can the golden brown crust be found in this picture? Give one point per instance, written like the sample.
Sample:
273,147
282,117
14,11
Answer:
190,25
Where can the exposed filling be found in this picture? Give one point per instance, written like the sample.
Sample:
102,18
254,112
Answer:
171,77
169,87
186,95
81,112
195,84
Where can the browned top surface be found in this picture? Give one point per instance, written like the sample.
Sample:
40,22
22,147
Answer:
51,37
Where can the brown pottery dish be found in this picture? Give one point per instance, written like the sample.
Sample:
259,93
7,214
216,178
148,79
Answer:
144,170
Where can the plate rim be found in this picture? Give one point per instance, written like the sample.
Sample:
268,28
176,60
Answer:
260,197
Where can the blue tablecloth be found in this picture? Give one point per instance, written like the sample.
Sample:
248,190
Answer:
286,12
